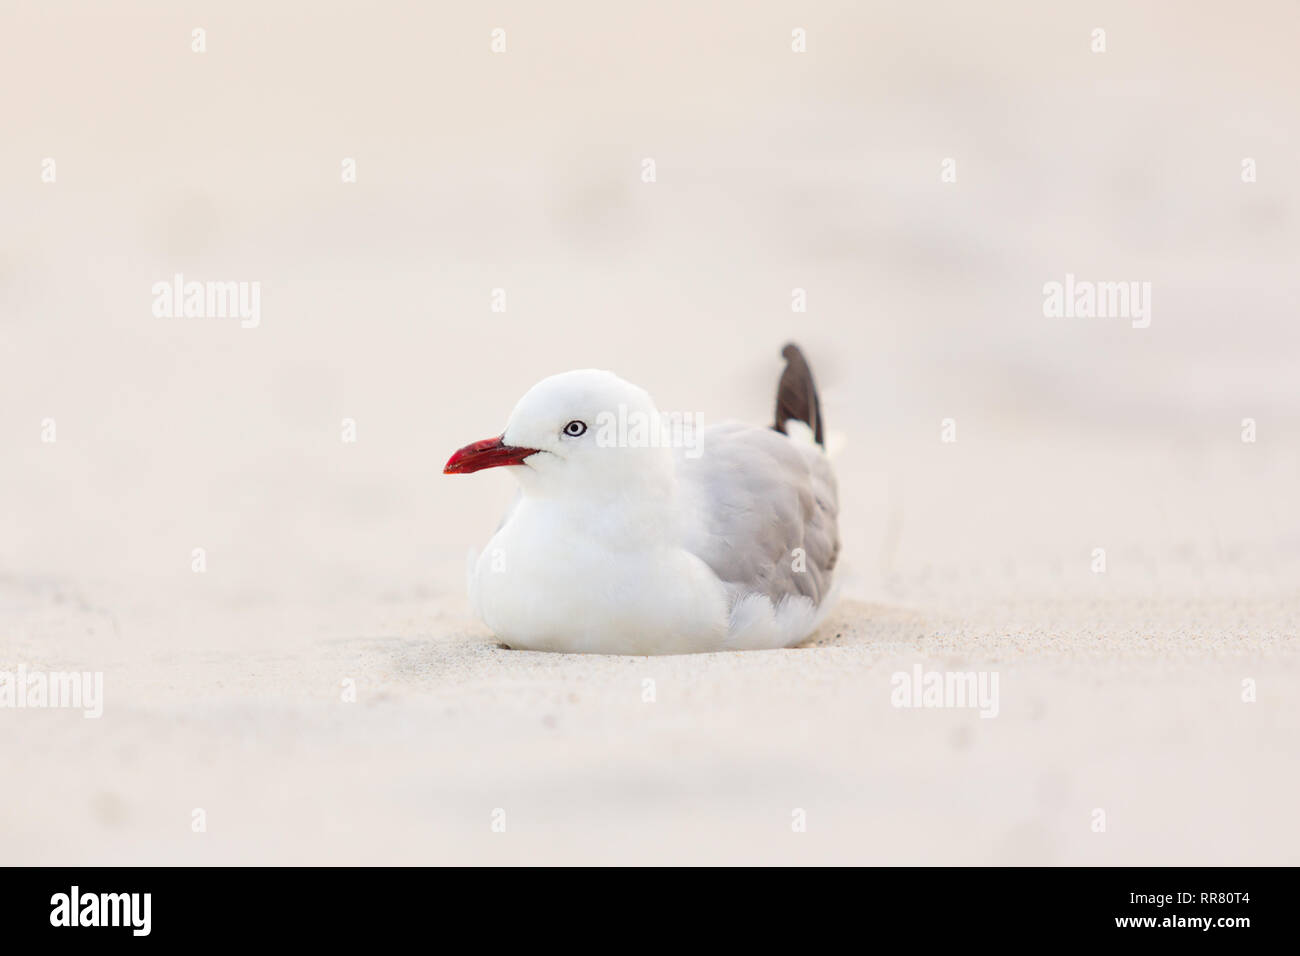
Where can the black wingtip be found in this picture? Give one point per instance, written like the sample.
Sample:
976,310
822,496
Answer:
796,395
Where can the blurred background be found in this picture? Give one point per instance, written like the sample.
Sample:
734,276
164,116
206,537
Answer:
522,171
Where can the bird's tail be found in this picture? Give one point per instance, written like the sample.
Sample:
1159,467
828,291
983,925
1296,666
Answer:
796,396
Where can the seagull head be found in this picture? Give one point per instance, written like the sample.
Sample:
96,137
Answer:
565,435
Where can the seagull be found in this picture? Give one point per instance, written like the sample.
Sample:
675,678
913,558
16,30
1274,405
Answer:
633,533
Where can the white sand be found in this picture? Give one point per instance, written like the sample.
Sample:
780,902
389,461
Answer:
327,561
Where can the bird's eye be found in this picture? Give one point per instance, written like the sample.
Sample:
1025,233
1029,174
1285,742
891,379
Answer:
575,428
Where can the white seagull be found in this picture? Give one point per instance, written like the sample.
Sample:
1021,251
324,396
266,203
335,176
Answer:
624,542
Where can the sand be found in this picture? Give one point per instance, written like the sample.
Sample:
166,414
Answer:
332,565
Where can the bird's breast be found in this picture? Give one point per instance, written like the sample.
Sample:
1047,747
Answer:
546,584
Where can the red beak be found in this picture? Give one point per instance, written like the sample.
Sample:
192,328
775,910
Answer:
488,453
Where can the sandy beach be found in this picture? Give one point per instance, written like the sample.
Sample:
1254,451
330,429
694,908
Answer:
312,682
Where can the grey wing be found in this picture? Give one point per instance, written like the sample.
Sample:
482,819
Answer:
764,508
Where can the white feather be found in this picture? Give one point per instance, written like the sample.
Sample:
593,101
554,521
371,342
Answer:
634,550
